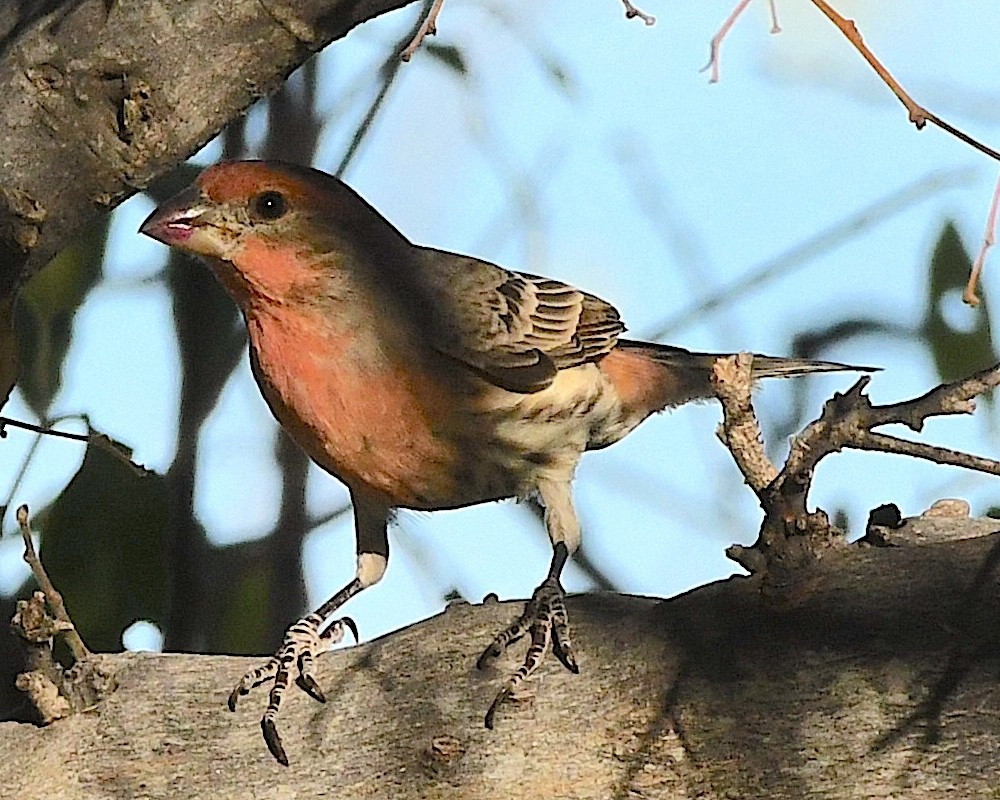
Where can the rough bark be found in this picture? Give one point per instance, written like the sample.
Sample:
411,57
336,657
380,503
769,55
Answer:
875,677
98,98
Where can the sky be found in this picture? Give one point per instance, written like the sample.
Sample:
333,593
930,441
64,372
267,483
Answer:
644,184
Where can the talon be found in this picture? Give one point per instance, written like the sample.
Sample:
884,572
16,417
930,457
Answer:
544,618
273,741
491,713
565,656
352,627
234,696
491,652
295,658
307,683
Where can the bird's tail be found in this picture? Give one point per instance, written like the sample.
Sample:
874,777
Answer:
763,366
777,367
685,376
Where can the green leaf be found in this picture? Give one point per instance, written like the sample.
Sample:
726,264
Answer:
44,315
957,353
450,56
103,544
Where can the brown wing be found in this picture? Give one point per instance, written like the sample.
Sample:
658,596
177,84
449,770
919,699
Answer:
516,329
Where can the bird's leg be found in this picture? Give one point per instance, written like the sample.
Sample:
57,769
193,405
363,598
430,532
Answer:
314,633
544,616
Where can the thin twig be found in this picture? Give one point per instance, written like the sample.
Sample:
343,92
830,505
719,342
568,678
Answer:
389,72
427,28
869,440
631,12
773,9
52,596
919,115
989,239
92,438
715,46
28,426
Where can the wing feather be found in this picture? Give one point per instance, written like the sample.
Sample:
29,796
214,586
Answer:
517,330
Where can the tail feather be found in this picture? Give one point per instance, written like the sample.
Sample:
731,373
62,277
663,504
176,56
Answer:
763,366
652,376
776,367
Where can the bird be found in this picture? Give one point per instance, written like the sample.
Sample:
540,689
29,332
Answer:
421,379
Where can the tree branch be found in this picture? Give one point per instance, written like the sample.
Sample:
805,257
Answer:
865,684
115,94
919,115
52,596
791,538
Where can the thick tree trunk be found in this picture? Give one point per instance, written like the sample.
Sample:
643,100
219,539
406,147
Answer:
874,676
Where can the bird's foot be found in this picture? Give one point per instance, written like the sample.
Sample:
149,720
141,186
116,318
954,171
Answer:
545,618
303,642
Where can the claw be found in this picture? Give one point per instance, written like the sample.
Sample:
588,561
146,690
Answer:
544,617
234,696
253,678
307,683
563,650
270,731
352,627
508,635
492,651
491,713
295,661
568,660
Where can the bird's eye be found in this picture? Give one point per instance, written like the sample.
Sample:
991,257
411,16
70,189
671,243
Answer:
269,205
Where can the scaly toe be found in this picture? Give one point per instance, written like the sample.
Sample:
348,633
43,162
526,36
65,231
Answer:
273,740
545,618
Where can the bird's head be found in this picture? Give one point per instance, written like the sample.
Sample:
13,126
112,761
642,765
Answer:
269,227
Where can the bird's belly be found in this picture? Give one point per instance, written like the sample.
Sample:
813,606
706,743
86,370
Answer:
520,440
425,439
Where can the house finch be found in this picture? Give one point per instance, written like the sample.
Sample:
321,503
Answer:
420,378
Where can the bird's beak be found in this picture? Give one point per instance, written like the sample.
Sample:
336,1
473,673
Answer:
174,222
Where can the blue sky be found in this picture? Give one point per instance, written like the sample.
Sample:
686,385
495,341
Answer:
648,187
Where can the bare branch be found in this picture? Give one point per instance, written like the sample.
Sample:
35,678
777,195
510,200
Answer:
28,426
919,115
868,440
427,28
631,12
52,596
989,239
171,90
773,11
848,420
715,46
791,537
